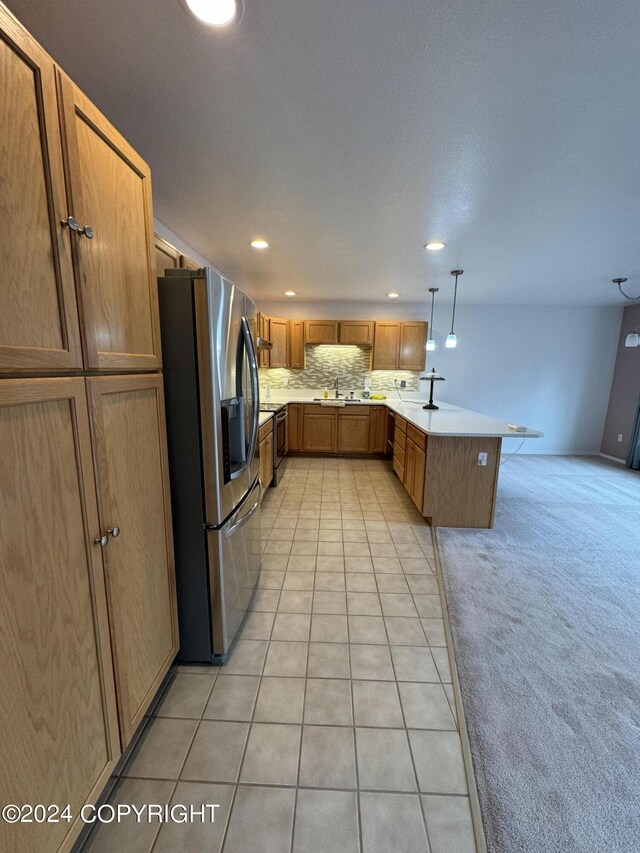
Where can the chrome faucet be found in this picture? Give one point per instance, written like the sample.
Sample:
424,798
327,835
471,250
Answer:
337,386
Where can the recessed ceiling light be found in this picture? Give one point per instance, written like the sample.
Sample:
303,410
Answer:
215,13
289,293
259,244
434,245
393,295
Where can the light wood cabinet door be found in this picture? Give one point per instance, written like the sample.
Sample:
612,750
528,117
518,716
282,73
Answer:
294,426
321,331
353,432
266,460
378,429
318,430
413,340
58,719
386,345
127,419
167,256
296,344
38,313
356,332
263,332
279,330
109,190
414,470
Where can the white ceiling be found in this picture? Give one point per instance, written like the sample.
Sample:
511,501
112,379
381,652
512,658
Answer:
348,133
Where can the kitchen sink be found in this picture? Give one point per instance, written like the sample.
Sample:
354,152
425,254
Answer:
333,400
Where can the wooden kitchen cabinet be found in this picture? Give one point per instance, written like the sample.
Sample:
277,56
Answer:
39,329
414,468
279,331
109,192
356,332
166,255
399,345
319,429
58,718
296,345
294,426
378,429
128,427
413,341
321,331
353,430
386,345
263,332
265,453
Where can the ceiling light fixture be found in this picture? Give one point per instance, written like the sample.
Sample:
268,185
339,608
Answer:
392,295
215,13
431,344
434,245
620,282
451,340
633,338
289,293
259,244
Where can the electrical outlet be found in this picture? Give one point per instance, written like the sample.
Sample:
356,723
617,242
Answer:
482,460
403,383
619,436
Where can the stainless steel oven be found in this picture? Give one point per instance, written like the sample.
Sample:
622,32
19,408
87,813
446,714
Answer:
280,443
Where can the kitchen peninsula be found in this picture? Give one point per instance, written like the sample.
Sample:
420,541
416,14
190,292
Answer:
447,459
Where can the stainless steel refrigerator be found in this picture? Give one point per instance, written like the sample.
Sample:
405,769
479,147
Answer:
212,398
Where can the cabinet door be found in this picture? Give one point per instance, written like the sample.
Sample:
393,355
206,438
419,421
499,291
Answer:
356,332
409,465
268,460
353,432
127,418
58,719
319,431
378,429
321,331
263,332
296,344
279,330
417,491
109,190
386,345
167,256
294,426
413,340
38,313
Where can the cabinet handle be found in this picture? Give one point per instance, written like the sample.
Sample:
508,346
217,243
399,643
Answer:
69,223
87,231
102,541
115,532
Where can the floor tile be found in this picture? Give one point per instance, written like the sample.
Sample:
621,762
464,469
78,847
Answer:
416,566
329,602
328,702
404,631
197,834
428,606
266,599
387,565
371,662
438,761
376,703
275,547
232,698
271,756
327,759
330,549
358,564
270,580
397,604
449,824
354,536
385,550
162,749
330,581
187,695
280,700
328,660
216,752
247,658
328,628
261,820
257,626
434,630
391,583
292,626
328,815
274,563
356,549
298,580
441,657
360,581
302,549
367,629
286,658
295,601
425,706
329,564
384,760
363,604
422,584
393,822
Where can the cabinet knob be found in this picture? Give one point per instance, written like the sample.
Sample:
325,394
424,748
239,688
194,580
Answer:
102,541
115,532
70,223
87,231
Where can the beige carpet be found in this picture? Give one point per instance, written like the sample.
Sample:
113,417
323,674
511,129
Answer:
545,615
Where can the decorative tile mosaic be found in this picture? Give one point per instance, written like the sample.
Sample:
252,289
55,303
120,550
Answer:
351,363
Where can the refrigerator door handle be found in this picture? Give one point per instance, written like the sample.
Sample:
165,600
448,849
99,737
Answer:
236,525
255,388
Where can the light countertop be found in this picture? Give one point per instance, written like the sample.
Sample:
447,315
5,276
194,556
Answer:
448,420
264,417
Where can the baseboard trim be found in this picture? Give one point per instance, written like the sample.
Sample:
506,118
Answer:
612,458
555,452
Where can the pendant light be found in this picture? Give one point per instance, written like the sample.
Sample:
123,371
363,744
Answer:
633,338
451,340
431,344
620,282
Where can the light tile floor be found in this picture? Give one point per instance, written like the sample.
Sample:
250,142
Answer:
332,727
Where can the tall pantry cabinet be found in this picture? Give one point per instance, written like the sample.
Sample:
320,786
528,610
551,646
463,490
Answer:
87,590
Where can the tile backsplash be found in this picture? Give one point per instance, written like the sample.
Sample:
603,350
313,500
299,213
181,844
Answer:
324,362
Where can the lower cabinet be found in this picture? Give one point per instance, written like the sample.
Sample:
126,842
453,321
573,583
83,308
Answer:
134,507
319,429
294,426
353,431
58,718
265,453
378,429
415,460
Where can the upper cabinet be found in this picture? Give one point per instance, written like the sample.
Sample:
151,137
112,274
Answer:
321,331
386,346
38,317
296,344
264,333
167,256
399,345
356,332
279,331
413,341
109,195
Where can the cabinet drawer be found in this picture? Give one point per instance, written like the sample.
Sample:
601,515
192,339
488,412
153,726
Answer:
398,468
399,454
265,429
418,437
401,424
400,439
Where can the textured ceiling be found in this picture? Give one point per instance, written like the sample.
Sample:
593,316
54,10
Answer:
348,133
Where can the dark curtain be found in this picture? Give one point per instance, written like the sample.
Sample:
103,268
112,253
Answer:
633,456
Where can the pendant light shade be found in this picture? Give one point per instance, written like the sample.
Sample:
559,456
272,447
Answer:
632,339
451,340
431,344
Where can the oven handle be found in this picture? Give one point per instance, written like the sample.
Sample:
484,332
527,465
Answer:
282,415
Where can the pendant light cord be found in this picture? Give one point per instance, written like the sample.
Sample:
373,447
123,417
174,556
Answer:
455,297
620,282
